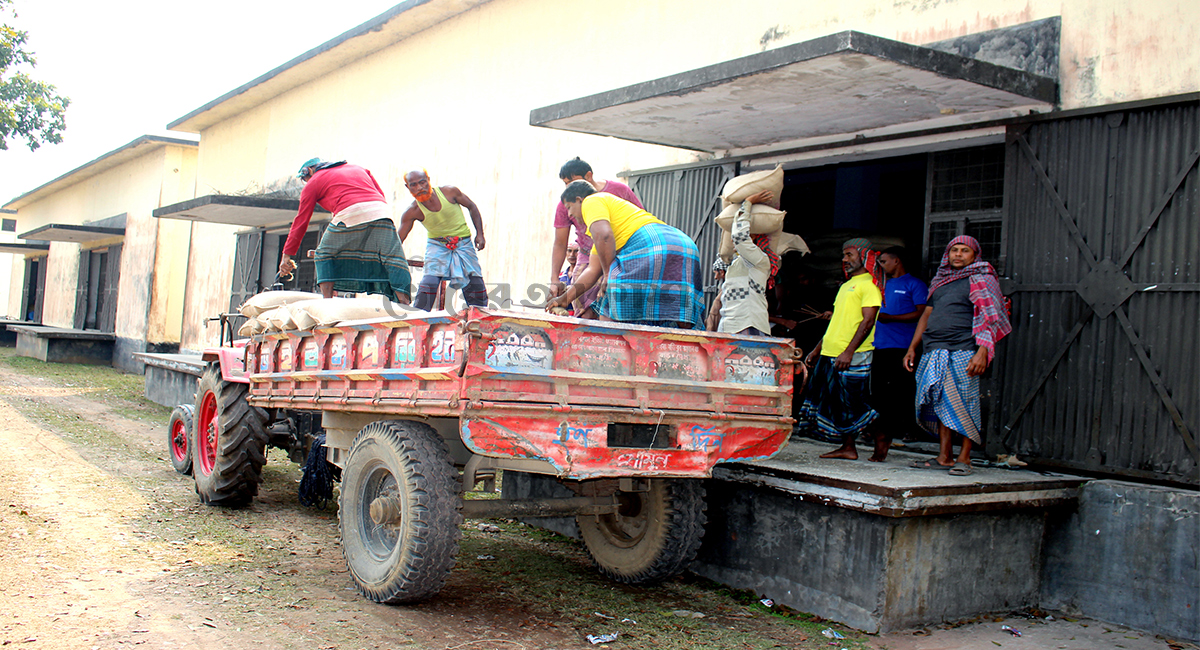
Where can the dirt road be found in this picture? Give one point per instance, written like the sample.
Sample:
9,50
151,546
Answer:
105,546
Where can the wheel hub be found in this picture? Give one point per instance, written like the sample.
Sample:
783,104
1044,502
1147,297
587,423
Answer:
385,510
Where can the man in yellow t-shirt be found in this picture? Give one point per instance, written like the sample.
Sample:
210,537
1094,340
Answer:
649,271
836,408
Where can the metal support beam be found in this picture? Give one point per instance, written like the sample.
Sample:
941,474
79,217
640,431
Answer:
487,508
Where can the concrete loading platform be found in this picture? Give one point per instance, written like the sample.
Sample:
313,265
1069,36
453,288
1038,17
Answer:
8,337
60,345
171,378
879,546
882,546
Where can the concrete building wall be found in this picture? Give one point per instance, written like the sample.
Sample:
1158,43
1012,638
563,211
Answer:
1127,554
134,187
456,97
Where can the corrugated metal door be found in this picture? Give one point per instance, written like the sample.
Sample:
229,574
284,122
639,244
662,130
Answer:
690,200
1100,371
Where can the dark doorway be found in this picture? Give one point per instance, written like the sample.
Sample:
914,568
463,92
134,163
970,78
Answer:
882,200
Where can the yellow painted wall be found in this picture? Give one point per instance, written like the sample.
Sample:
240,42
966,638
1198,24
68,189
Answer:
456,98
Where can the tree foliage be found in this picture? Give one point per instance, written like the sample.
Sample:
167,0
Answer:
29,109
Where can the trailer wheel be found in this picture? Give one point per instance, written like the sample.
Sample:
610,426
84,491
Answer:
179,436
655,535
230,441
399,512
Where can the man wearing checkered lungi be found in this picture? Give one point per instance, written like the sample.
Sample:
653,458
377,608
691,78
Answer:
965,316
836,408
359,251
649,272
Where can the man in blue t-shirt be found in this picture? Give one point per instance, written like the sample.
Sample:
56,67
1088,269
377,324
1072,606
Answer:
892,387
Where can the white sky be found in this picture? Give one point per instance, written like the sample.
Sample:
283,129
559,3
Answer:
132,66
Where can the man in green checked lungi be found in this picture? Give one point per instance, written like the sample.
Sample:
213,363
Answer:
360,251
449,251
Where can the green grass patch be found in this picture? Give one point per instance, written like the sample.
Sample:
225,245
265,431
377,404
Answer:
124,392
554,577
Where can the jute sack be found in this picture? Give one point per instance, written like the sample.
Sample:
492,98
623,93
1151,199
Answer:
786,242
277,320
331,311
268,300
727,250
764,219
739,188
781,242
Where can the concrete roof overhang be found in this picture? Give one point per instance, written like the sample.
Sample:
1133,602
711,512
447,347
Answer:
248,211
70,232
17,248
396,24
121,155
843,83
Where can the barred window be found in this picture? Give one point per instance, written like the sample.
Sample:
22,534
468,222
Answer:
8,225
966,197
968,179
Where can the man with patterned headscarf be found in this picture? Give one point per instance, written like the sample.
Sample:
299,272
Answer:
836,408
743,301
359,251
965,316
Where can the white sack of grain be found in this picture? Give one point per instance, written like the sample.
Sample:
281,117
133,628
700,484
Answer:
268,300
764,219
331,311
739,188
786,242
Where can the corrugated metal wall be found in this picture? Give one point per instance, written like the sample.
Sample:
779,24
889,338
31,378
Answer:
1103,219
689,199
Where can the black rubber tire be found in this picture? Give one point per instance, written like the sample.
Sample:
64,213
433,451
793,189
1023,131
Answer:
180,430
655,536
409,559
230,442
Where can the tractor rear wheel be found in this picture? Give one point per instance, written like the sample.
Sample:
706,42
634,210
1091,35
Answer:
230,441
399,512
655,535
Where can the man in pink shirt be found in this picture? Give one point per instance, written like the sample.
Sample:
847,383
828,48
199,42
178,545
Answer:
574,170
359,251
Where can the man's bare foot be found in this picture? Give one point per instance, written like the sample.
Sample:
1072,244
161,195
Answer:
882,444
844,453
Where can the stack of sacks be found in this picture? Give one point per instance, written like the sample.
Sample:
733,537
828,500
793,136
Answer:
263,310
765,218
332,311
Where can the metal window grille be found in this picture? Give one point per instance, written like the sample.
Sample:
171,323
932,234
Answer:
8,225
968,179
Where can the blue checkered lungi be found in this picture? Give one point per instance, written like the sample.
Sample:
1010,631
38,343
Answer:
655,280
946,394
367,258
835,406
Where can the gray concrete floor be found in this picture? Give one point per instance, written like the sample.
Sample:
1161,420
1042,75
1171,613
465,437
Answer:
1036,634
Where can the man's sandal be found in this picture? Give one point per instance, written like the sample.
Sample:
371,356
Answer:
961,469
931,463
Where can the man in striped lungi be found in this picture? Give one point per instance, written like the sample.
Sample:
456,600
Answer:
963,320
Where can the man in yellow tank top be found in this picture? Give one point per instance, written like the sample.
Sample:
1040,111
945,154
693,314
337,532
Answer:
449,253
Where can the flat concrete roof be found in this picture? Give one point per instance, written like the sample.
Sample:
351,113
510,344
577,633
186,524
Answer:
398,23
69,232
848,82
249,211
107,161
18,248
